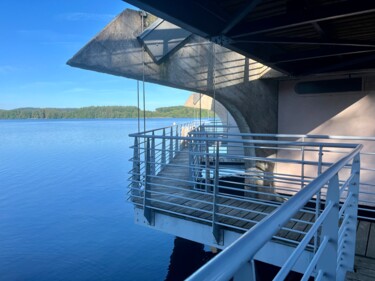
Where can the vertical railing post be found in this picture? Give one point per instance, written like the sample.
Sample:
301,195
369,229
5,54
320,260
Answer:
207,164
152,156
328,260
176,141
163,152
216,231
347,263
246,272
318,198
201,144
191,151
303,164
136,175
171,146
178,134
201,128
147,211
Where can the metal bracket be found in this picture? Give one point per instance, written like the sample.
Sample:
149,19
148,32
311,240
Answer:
218,234
221,40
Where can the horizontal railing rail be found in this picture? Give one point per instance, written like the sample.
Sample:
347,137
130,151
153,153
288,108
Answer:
229,262
367,184
233,181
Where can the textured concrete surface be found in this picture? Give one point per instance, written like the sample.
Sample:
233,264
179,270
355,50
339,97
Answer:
204,102
197,66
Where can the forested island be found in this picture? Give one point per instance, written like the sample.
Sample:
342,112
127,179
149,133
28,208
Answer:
101,112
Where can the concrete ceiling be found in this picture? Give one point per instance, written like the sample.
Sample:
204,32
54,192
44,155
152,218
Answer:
296,37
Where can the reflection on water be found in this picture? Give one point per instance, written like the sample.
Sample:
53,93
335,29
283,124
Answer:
63,214
186,258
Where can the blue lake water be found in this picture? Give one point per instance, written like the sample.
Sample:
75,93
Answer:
63,209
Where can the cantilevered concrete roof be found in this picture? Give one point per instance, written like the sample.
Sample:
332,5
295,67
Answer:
297,37
197,65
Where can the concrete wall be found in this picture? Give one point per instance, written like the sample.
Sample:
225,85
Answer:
335,114
204,102
340,114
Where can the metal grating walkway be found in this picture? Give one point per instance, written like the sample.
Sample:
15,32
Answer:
237,215
232,213
365,253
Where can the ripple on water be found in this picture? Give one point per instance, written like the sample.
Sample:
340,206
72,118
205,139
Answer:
63,214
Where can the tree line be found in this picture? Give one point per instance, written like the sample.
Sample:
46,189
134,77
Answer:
101,112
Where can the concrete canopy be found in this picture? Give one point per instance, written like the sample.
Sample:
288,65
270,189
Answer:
296,37
198,66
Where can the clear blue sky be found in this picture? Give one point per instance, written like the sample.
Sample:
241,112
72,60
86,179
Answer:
38,37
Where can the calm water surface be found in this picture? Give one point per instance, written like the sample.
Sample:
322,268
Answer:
63,209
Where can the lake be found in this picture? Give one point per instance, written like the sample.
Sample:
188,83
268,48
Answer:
63,208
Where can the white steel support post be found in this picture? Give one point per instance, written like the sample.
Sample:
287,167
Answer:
152,156
318,199
347,261
191,148
176,140
201,147
136,174
327,263
246,272
207,164
216,230
303,165
147,211
198,147
163,152
171,146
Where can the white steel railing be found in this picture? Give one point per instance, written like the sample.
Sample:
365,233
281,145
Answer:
331,260
160,150
202,177
367,184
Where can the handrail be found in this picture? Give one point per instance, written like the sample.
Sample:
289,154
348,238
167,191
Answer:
334,137
245,248
365,206
159,152
366,186
286,143
140,134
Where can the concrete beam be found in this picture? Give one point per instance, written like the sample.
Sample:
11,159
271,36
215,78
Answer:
202,233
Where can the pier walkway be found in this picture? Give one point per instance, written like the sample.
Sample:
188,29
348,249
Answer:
236,214
364,264
296,199
170,192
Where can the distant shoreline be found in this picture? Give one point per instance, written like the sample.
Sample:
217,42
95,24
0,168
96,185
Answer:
102,112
